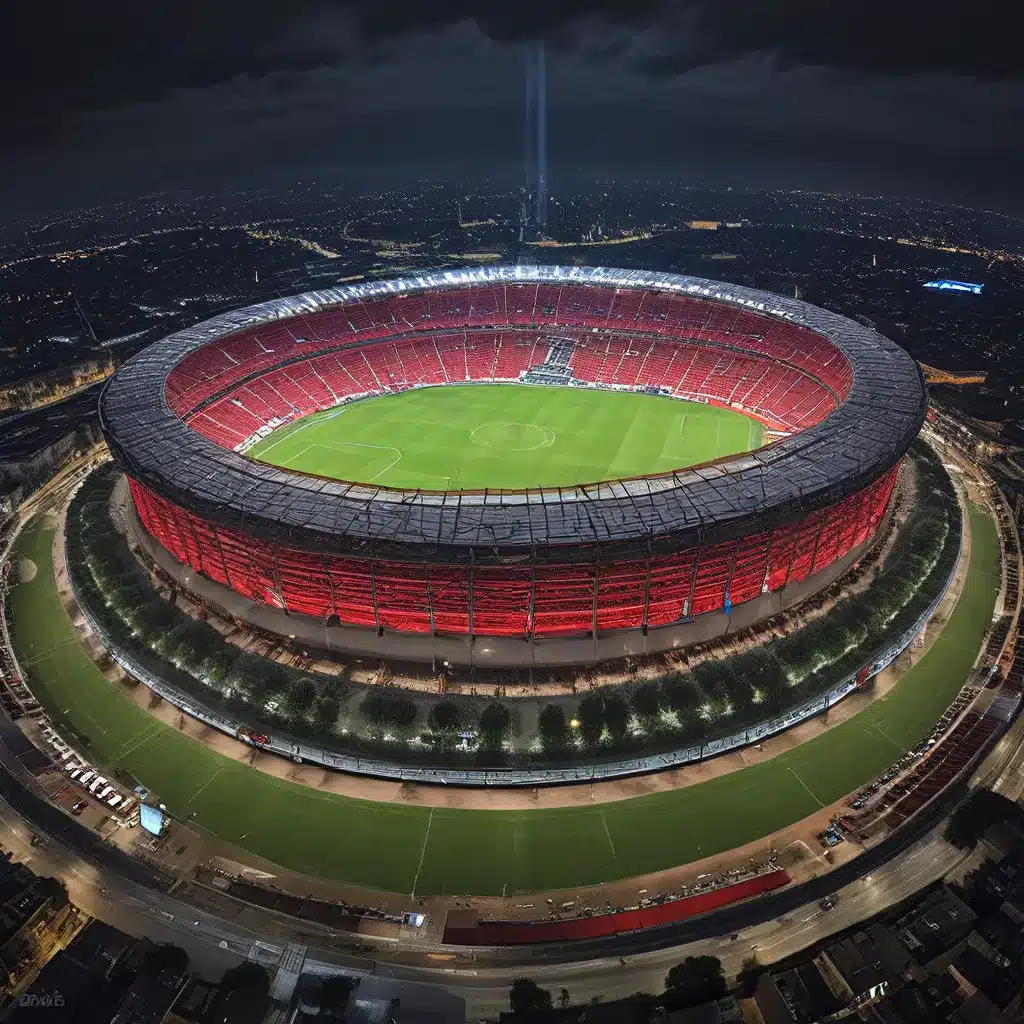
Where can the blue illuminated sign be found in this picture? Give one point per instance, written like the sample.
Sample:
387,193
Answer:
955,286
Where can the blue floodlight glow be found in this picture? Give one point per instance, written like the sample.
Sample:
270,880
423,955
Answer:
955,286
151,819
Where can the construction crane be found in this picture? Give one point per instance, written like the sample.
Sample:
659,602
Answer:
935,376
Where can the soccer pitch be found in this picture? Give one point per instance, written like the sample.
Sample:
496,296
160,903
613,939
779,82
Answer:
468,437
442,850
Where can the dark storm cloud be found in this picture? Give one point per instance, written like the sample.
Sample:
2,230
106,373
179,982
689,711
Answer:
66,55
886,36
63,56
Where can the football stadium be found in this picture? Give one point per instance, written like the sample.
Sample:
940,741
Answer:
516,454
707,506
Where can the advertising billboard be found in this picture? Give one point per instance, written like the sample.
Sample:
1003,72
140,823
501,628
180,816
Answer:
151,819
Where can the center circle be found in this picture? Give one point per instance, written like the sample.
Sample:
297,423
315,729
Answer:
512,437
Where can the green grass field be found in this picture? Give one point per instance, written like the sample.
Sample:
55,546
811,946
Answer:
406,849
506,436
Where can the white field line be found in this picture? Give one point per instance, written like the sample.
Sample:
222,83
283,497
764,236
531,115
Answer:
423,852
286,435
356,444
804,784
881,731
609,835
202,787
137,741
297,455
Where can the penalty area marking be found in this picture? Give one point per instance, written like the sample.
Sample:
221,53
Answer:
353,444
298,455
286,435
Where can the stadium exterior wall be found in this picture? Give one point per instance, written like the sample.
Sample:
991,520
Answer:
316,632
516,600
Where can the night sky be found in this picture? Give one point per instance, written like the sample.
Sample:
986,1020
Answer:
112,99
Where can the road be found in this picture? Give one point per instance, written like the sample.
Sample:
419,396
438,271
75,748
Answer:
214,943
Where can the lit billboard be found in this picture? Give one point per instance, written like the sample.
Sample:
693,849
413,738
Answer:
151,819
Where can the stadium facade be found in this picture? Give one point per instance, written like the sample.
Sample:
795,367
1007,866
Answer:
841,403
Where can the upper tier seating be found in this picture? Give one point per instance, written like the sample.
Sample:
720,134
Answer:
781,395
794,388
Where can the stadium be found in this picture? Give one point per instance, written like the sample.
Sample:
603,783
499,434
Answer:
636,534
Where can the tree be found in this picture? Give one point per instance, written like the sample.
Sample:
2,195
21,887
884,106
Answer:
247,976
680,694
698,979
256,678
982,809
217,665
247,988
591,716
298,698
385,711
125,599
746,979
153,618
495,722
552,726
325,711
165,957
616,715
444,716
646,699
526,997
190,643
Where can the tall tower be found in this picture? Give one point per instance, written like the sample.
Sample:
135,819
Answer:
534,215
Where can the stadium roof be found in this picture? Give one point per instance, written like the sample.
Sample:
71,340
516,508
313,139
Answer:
866,435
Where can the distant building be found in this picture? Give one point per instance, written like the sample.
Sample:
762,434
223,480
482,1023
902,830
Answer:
81,973
34,445
935,930
718,1011
36,918
106,977
797,994
10,498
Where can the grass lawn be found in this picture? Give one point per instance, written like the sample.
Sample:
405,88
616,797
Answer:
506,435
407,849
